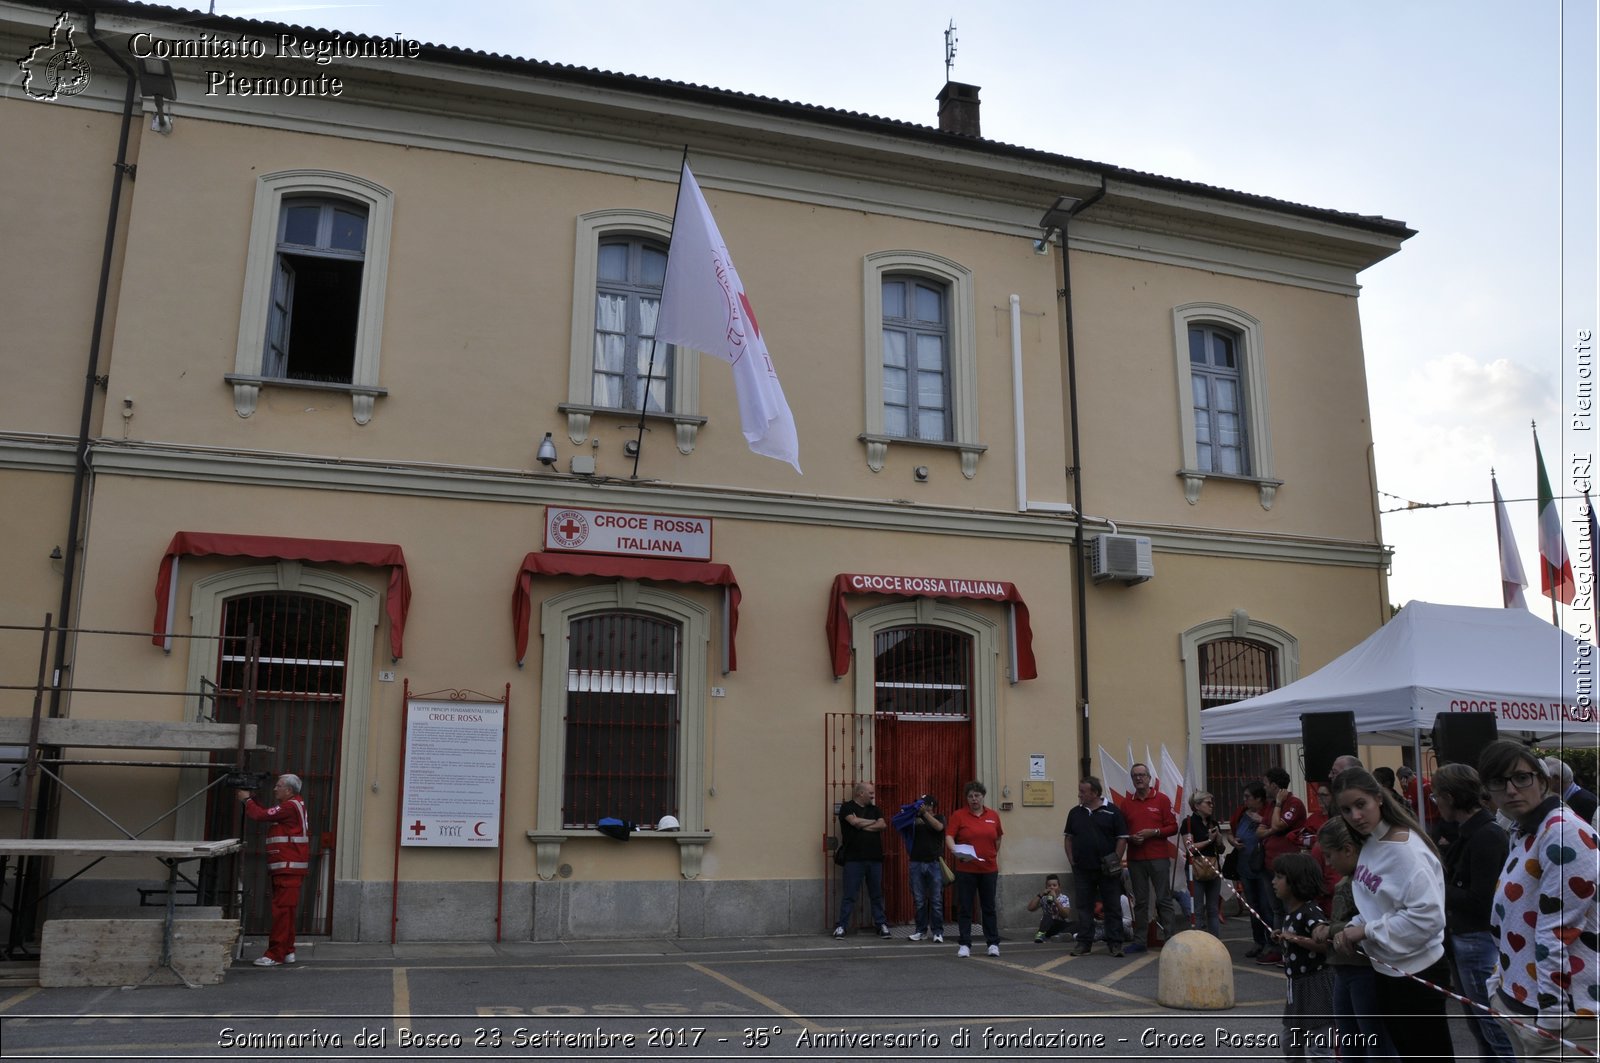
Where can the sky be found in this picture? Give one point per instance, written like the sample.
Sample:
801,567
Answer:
1471,121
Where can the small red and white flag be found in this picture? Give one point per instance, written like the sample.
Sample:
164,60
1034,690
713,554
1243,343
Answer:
1555,568
704,308
1512,578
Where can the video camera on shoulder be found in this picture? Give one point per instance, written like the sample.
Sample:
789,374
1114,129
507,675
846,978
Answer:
247,780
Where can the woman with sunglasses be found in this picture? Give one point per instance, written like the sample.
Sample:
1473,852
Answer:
1544,909
1399,894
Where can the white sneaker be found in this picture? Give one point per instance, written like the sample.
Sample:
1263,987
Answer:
938,939
289,958
915,937
994,950
266,961
963,952
838,931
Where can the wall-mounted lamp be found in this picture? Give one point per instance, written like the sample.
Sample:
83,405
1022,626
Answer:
155,81
1055,221
921,473
547,451
630,447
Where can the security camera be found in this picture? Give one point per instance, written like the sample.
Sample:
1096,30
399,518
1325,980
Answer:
547,451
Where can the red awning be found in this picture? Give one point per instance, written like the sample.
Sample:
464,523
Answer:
927,587
274,547
648,568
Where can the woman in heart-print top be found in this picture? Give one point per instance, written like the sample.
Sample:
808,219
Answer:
1544,917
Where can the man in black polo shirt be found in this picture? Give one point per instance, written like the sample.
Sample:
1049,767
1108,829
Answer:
1096,829
861,826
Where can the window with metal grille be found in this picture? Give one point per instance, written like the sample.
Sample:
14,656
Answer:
922,671
1232,670
303,642
621,719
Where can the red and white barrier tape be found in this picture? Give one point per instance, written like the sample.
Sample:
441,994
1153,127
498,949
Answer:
1540,1031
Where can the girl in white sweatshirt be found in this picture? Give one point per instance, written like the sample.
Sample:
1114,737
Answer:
1399,893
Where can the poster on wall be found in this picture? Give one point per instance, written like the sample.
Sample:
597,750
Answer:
453,765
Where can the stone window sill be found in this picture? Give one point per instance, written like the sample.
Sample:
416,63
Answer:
247,390
691,847
878,450
686,425
1194,480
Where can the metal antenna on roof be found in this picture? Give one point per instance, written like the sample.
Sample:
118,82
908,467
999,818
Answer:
950,40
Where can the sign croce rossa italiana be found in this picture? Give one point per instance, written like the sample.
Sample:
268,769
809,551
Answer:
628,534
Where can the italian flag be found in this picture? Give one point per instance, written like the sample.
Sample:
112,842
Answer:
1555,569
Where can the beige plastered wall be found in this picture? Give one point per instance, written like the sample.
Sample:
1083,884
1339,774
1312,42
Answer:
764,739
1320,428
478,318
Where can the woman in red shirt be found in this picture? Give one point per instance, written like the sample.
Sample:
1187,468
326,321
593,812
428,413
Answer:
973,839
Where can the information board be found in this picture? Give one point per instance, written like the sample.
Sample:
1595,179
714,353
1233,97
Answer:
453,767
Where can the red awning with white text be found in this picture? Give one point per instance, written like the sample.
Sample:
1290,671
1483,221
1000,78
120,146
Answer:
838,627
280,548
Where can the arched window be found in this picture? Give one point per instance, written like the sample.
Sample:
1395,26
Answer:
622,719
316,290
920,357
617,271
314,281
1224,661
1220,434
916,358
1222,407
622,722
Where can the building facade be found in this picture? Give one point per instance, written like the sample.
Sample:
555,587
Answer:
307,403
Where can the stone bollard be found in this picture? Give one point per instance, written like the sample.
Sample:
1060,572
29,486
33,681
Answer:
1196,973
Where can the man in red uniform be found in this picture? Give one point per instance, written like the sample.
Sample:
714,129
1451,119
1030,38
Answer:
1150,823
1280,835
1426,811
288,861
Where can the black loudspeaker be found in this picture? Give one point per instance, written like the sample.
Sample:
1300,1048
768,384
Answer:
1459,737
1325,737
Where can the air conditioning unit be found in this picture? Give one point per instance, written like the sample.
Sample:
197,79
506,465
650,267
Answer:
1122,557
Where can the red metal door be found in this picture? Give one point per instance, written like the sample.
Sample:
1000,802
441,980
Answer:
299,686
917,741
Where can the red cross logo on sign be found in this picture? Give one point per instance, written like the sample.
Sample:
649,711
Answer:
417,828
568,529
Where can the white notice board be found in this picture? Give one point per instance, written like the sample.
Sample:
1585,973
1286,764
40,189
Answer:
453,766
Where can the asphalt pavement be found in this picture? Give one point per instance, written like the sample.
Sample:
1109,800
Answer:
814,998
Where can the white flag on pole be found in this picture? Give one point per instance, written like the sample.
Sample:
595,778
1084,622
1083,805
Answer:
1511,578
704,307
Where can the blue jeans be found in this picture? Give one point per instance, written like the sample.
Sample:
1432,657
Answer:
1355,1008
1258,895
854,872
982,886
927,896
1474,956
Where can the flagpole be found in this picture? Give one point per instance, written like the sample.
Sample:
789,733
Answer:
1545,573
650,369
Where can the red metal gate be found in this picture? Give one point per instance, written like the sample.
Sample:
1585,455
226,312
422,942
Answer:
299,711
917,741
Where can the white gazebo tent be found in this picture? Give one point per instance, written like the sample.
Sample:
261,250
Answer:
1536,679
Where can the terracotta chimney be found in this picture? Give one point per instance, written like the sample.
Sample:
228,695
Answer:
958,109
